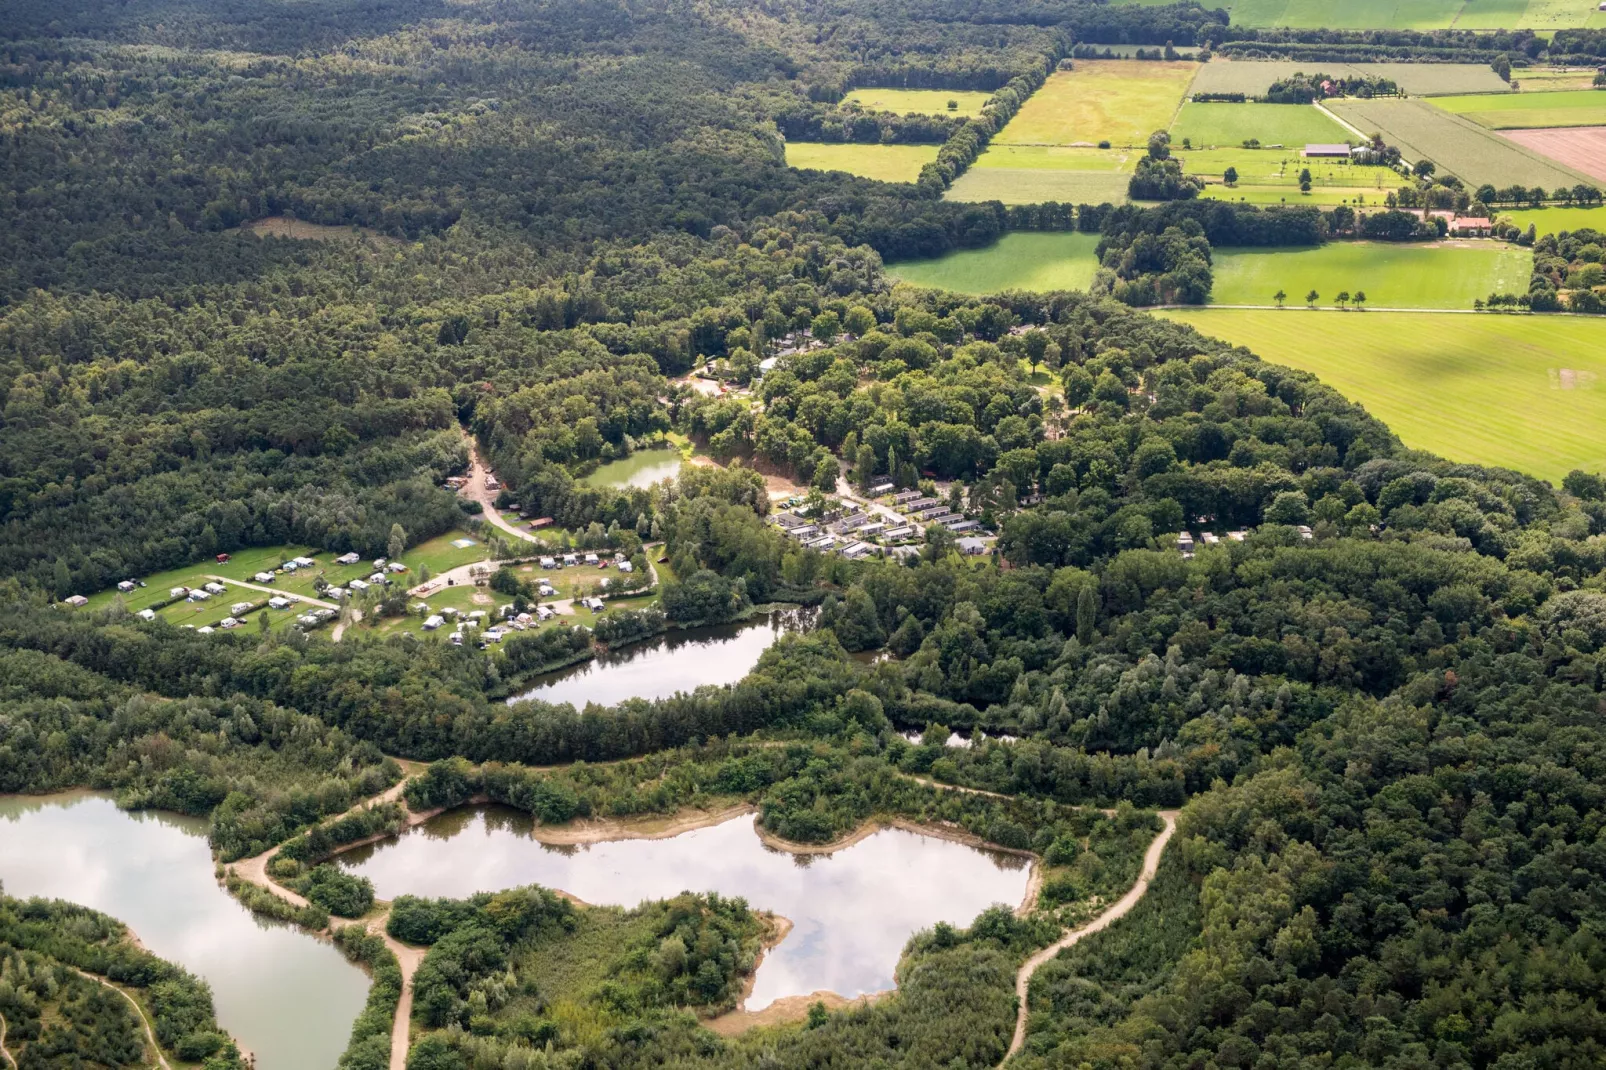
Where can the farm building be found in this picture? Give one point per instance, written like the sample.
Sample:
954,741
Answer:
1327,152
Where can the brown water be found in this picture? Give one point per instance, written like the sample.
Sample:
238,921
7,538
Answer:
852,911
283,995
675,661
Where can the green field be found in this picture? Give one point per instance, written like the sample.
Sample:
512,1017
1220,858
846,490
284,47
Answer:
1271,176
1554,220
1519,111
1038,185
1023,260
1321,196
1524,392
1230,125
1393,276
1254,77
919,101
1456,144
1409,14
1118,100
889,163
1058,158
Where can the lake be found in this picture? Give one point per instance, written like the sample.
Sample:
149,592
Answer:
287,997
675,661
641,469
852,910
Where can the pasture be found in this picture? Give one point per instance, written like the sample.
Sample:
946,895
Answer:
1553,220
1438,276
1551,79
1230,125
1022,260
1271,176
1116,100
1516,111
889,163
1058,158
1457,145
920,101
1254,77
1037,185
1523,392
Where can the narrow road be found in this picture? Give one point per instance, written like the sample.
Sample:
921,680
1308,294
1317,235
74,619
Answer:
476,490
1121,907
150,1034
3,1051
274,590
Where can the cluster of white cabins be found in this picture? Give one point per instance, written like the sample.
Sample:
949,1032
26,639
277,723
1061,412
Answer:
1186,543
854,533
511,621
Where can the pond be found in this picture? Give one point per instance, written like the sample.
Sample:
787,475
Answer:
675,661
641,469
852,910
285,996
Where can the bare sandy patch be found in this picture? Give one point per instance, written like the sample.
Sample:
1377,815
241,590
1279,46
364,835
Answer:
278,226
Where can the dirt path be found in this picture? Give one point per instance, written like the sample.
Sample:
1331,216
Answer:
1121,907
150,1034
3,1052
476,490
274,590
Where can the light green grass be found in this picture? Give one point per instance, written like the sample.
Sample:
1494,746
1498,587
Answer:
1517,111
1555,220
1288,193
919,101
1121,101
1269,176
1058,158
1484,388
1395,276
1456,144
889,163
241,566
1036,186
1230,125
1023,260
439,555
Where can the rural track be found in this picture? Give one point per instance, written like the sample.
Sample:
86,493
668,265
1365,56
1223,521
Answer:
274,590
1121,907
150,1034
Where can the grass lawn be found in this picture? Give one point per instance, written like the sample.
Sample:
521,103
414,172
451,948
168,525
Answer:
920,101
1395,276
1554,220
1230,125
242,565
438,554
1119,100
1023,260
1039,185
1518,111
889,163
1057,158
1281,167
1523,392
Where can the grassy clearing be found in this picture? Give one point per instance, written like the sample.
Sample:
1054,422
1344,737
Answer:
1120,101
889,163
1035,186
1517,111
1441,276
919,101
438,554
1230,125
1455,144
1058,158
1019,261
1419,79
1487,389
1556,220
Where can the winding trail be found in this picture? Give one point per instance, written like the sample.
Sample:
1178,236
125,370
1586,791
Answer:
3,1052
150,1034
1121,907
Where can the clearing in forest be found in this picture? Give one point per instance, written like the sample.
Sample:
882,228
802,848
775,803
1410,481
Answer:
1116,100
1022,260
1439,276
1523,392
920,101
889,163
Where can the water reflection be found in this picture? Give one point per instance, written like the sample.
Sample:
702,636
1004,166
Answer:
852,910
154,872
676,661
641,469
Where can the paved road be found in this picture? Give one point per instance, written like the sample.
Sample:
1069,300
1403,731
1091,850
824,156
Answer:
1122,906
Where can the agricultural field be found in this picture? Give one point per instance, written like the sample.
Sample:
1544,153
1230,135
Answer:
920,101
1517,111
1554,220
1230,125
1410,14
1271,176
1439,276
1253,77
1457,145
1023,260
1552,79
1120,101
1523,392
1582,149
889,163
1058,158
1039,185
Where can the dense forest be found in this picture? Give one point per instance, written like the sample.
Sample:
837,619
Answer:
1378,710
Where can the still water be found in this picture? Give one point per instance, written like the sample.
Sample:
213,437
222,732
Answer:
286,997
676,661
852,911
641,469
